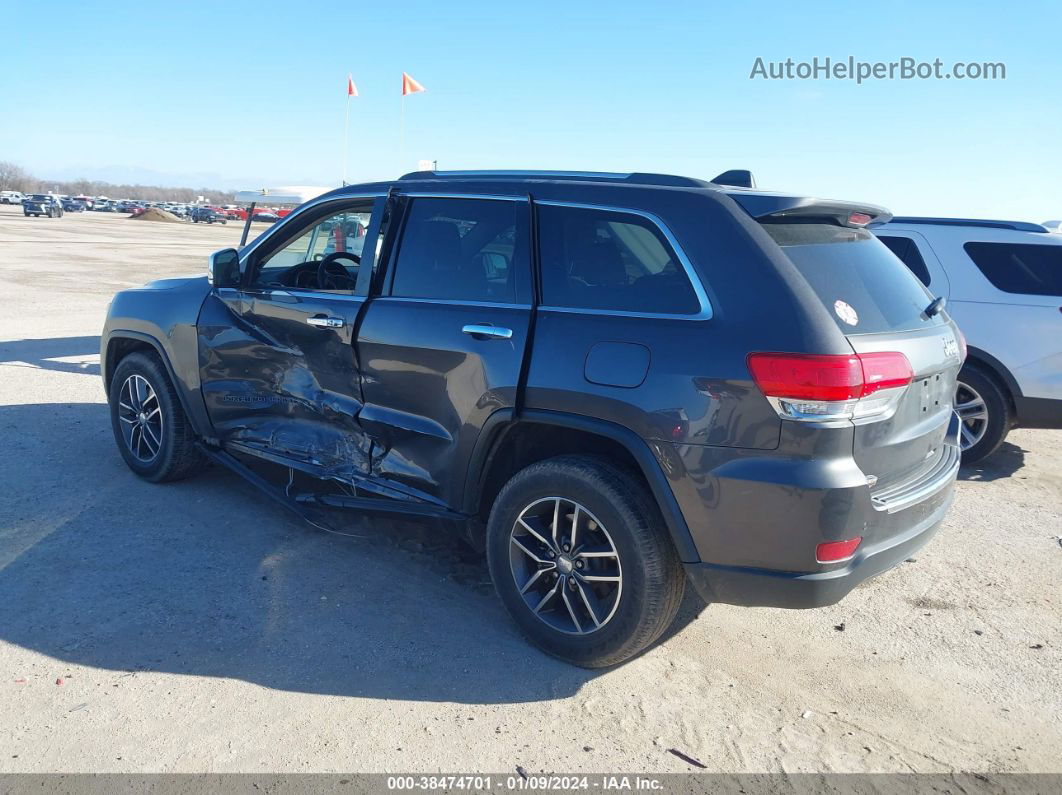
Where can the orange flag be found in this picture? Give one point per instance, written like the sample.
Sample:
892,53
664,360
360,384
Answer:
410,86
352,90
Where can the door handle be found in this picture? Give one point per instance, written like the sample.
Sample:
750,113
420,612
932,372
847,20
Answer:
325,322
488,331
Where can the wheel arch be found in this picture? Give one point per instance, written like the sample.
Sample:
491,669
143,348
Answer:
121,343
997,370
508,443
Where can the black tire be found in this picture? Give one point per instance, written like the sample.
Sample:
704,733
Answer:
652,577
998,406
177,455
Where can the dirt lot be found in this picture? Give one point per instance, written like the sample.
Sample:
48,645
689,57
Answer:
193,627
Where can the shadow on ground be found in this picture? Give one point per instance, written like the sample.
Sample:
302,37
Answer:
42,353
205,577
1003,463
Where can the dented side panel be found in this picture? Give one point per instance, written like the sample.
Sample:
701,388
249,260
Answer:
271,381
429,387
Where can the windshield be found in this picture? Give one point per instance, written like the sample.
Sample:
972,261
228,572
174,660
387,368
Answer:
862,284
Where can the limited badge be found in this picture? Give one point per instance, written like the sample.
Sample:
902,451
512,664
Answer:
845,312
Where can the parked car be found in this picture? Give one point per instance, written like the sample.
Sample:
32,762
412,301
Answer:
103,206
206,215
11,197
624,383
73,206
1003,284
39,204
265,216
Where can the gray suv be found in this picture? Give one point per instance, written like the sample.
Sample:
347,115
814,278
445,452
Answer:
613,384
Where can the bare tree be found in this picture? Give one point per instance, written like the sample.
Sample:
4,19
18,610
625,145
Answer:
13,177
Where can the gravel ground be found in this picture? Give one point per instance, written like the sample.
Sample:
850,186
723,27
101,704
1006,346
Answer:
193,627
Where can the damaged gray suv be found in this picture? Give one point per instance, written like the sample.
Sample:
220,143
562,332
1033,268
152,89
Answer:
611,383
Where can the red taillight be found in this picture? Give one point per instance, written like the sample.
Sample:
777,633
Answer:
801,376
858,219
884,371
835,551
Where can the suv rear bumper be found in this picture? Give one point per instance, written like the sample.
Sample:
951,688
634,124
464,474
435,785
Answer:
738,585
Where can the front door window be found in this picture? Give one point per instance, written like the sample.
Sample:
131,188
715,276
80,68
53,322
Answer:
326,257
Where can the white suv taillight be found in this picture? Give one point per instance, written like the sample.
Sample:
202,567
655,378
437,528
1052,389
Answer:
825,388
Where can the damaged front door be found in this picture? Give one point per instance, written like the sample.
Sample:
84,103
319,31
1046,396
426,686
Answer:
279,372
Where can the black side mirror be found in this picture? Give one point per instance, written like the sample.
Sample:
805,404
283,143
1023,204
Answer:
223,270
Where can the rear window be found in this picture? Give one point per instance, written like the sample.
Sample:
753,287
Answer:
862,284
1024,268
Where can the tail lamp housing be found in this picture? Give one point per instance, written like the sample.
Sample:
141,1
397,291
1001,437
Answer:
857,387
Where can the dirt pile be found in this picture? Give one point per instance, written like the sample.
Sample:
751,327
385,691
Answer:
155,214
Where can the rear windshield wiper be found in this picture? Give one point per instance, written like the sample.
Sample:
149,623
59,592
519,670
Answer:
935,306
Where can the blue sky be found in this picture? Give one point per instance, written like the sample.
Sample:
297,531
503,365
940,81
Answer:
249,94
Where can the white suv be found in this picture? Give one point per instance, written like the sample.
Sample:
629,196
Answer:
1003,285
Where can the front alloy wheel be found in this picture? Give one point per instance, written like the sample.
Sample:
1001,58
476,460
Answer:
565,565
150,427
140,413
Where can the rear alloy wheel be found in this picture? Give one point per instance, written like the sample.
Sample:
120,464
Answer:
581,560
566,566
984,414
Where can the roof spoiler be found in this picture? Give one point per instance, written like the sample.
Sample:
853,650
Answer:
736,178
762,206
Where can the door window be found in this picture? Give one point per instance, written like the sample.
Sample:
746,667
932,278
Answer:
1022,268
461,250
324,257
605,259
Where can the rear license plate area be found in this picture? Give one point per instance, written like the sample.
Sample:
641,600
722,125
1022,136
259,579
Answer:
932,395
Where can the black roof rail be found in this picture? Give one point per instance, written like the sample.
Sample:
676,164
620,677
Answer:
665,180
1018,226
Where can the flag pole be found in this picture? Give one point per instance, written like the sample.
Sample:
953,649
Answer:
346,138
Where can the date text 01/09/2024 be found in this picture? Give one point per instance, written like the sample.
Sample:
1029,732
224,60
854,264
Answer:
523,782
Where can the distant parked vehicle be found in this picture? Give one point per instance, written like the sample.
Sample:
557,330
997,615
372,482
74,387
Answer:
103,206
206,215
11,197
266,217
42,204
1003,284
73,205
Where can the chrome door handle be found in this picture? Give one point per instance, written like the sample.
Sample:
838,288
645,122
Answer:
325,322
485,330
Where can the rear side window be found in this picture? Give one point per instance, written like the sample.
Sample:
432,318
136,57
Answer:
610,260
1025,268
461,250
907,250
865,288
